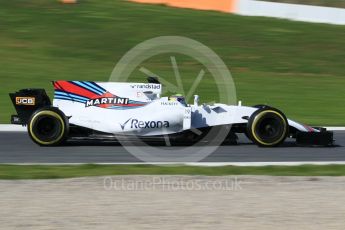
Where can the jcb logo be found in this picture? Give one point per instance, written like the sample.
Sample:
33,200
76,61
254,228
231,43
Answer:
25,101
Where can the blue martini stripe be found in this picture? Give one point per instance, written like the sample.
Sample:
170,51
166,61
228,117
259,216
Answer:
81,84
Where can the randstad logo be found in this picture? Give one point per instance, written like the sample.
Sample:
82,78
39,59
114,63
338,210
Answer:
146,86
135,124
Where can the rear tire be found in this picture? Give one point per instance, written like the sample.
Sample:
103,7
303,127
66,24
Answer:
267,127
48,127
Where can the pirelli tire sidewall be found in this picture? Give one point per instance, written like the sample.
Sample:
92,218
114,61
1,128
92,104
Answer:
59,123
255,125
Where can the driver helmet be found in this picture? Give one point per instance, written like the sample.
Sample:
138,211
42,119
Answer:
178,97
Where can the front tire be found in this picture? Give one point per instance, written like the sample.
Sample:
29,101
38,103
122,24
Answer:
48,127
268,127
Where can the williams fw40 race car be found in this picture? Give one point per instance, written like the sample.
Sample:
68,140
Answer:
84,110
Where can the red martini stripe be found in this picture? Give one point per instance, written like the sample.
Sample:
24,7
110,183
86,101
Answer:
72,88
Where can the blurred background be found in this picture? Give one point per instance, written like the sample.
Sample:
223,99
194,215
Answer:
293,65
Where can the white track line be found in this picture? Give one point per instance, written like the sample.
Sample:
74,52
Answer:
295,163
19,128
335,128
200,164
12,128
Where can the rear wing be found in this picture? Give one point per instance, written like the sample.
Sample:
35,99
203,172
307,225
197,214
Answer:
26,102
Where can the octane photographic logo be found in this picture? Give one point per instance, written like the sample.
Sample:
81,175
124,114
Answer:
211,63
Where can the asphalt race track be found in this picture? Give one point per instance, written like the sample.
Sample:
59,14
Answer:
16,147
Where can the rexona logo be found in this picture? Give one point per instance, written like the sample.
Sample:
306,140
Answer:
107,101
135,124
25,101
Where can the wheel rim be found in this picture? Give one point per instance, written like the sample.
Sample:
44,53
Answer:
269,128
47,128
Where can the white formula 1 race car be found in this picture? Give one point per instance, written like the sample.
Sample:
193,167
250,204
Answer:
107,110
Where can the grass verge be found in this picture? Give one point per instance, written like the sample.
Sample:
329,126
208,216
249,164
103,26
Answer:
14,172
294,66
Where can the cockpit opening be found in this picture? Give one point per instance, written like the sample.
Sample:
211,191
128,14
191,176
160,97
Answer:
178,98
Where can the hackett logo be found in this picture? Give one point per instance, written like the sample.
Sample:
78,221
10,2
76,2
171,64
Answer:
135,124
107,101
